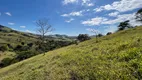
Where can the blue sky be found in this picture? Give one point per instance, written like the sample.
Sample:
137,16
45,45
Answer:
70,17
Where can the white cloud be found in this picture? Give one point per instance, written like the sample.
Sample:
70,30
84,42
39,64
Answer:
68,21
90,4
120,18
65,2
10,23
79,13
113,14
103,20
83,2
88,10
22,26
133,22
110,29
87,3
122,5
93,30
94,21
28,31
8,13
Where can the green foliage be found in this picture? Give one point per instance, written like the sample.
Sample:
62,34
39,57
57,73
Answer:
25,54
5,62
83,37
99,35
109,33
124,25
3,48
22,43
30,44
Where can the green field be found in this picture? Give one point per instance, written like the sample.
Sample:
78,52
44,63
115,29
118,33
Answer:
6,54
114,57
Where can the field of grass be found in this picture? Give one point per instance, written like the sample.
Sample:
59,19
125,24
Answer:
6,54
15,38
113,57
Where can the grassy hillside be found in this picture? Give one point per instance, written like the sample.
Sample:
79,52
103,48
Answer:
9,36
13,37
25,45
114,57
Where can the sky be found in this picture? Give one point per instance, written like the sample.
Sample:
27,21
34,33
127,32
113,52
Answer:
69,17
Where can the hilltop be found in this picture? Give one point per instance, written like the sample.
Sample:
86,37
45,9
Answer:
116,56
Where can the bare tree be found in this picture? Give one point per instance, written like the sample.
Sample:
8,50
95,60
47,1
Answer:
94,31
43,27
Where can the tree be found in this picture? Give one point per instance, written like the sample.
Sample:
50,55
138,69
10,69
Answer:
124,25
96,33
83,37
99,35
139,15
109,33
43,28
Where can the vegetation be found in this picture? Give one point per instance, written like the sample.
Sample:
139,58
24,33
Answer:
43,28
26,45
83,37
124,25
3,48
109,33
113,57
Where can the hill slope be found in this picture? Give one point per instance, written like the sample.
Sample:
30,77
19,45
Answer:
8,36
17,43
117,56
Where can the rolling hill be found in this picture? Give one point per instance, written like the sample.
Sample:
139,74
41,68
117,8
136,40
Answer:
114,57
8,35
16,43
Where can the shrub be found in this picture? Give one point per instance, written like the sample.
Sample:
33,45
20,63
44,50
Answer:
99,35
109,33
22,43
21,48
3,48
5,62
25,54
30,44
83,37
18,47
10,46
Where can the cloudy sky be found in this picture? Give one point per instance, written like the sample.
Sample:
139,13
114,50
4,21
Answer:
70,17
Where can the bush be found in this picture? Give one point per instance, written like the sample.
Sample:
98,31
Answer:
21,48
99,35
22,43
5,62
3,48
25,54
83,37
18,47
30,44
109,33
10,46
